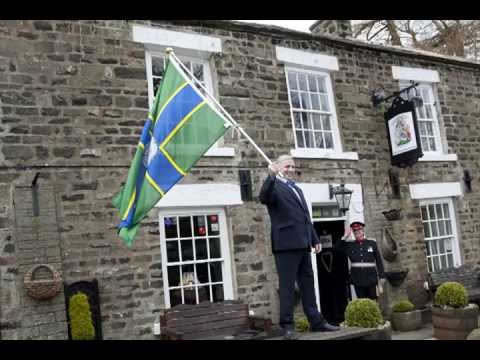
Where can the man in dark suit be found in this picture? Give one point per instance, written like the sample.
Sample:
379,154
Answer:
293,237
365,263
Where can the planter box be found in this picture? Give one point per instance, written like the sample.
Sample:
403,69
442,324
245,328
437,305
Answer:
384,332
454,324
407,321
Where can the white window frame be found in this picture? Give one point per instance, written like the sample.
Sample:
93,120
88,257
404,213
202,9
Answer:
427,80
188,46
224,247
303,61
337,146
457,261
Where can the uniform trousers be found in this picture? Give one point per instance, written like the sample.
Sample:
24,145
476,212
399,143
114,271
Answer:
366,292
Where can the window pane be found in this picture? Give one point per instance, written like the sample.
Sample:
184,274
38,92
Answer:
305,122
434,247
156,84
202,273
428,112
429,128
188,278
431,142
315,101
187,250
189,296
441,228
436,264
157,66
198,71
424,213
434,229
430,264
312,83
185,226
213,226
422,128
426,230
317,123
308,139
450,260
203,293
326,122
305,100
424,142
448,245
199,228
173,276
170,224
429,248
214,248
319,143
296,120
328,140
324,103
172,251
448,227
217,292
445,211
441,245
438,208
431,212
300,141
302,80
292,80
295,99
201,249
321,84
443,262
421,112
216,271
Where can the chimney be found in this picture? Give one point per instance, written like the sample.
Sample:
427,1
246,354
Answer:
342,28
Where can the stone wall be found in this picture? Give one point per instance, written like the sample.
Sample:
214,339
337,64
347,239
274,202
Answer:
73,100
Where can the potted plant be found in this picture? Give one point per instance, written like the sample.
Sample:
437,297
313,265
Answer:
453,318
405,317
366,313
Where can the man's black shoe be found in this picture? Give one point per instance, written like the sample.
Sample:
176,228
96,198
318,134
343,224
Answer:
290,335
325,327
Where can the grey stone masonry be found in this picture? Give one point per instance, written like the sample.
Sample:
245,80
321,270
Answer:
38,242
73,101
342,28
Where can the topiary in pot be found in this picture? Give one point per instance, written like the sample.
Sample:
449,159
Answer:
81,326
405,317
366,313
403,306
452,317
451,294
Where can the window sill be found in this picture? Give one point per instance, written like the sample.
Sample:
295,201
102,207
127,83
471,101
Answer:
322,154
221,152
438,157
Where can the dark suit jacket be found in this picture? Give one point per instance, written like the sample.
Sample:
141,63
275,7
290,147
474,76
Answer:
292,227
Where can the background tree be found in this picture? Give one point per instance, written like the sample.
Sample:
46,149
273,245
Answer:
449,37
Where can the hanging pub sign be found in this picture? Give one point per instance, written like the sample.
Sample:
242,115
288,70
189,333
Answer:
403,135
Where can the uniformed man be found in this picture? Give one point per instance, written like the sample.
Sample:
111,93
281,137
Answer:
366,265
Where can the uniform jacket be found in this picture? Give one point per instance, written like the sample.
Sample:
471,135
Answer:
292,227
367,252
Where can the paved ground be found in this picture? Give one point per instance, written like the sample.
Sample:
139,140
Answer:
425,333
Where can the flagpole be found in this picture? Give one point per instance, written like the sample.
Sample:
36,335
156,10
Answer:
232,122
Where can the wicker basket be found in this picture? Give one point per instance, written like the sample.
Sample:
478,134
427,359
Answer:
394,214
41,289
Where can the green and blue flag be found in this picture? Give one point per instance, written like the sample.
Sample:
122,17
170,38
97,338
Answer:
180,128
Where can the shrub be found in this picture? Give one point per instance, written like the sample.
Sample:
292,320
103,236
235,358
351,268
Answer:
301,324
363,313
403,306
452,294
81,326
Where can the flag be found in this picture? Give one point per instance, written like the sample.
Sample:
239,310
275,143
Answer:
182,125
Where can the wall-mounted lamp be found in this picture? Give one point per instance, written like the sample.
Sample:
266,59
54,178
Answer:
342,195
467,180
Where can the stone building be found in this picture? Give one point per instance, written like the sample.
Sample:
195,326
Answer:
73,99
